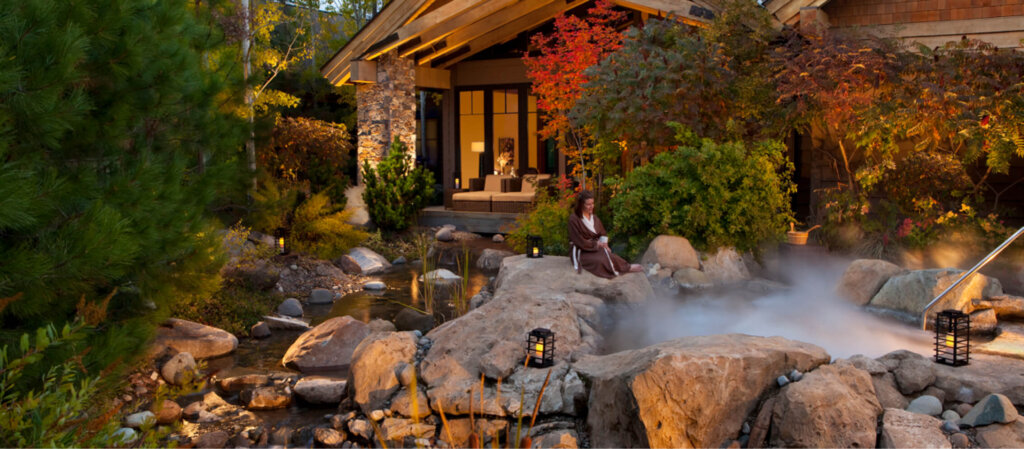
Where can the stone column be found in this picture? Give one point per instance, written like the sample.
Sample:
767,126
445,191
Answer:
386,109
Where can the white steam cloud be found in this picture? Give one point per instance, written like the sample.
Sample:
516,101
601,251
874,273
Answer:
809,311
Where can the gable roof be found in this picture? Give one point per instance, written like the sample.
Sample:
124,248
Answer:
788,11
440,33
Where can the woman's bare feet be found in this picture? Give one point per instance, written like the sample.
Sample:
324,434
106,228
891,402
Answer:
635,268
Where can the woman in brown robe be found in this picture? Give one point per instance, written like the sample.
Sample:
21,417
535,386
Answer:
588,242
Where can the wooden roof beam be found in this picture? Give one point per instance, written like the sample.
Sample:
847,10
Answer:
451,15
509,31
466,34
688,12
391,17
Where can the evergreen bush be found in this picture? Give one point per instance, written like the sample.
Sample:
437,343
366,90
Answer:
395,190
113,143
714,194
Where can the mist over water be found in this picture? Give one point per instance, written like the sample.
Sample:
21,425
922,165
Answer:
808,310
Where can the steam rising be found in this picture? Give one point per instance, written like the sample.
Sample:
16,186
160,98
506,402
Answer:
808,310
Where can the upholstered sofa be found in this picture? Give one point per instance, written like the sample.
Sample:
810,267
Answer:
479,200
521,200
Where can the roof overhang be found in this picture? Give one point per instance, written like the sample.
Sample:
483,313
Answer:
438,34
787,12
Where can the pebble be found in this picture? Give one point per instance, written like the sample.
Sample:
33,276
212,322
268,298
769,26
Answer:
417,333
950,427
498,238
960,440
294,267
374,285
399,261
795,375
424,341
137,420
950,415
124,435
377,415
746,428
782,381
422,442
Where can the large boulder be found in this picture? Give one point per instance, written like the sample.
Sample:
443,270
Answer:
373,377
490,340
369,262
726,266
202,341
555,274
832,406
906,429
910,293
864,277
671,252
491,259
688,392
326,347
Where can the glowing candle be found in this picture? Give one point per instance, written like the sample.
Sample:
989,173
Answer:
540,350
950,340
536,251
457,183
280,244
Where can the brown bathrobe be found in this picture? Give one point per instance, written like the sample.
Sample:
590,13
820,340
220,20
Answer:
585,253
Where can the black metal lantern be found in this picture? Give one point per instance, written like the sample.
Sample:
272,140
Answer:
540,348
952,338
534,246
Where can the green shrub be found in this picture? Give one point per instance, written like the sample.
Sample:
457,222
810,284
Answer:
395,190
322,230
273,206
549,220
713,194
234,308
305,149
54,414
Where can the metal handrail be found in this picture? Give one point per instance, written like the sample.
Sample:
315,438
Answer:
980,265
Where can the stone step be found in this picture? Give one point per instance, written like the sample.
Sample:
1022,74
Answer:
1009,343
1006,306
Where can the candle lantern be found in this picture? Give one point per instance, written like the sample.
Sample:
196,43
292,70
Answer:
534,246
279,241
952,338
540,348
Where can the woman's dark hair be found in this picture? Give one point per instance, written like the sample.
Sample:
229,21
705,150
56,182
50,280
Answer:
580,199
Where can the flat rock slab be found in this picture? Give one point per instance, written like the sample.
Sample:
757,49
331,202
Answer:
1002,435
369,262
984,375
555,274
907,429
286,323
1010,343
202,341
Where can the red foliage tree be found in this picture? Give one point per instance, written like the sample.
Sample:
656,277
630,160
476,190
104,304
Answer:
576,44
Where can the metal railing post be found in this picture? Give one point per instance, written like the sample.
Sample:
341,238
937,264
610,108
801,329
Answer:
980,265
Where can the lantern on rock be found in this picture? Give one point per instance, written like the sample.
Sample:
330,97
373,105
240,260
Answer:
952,338
534,247
540,348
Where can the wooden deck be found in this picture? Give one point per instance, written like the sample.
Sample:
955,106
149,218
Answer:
479,222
